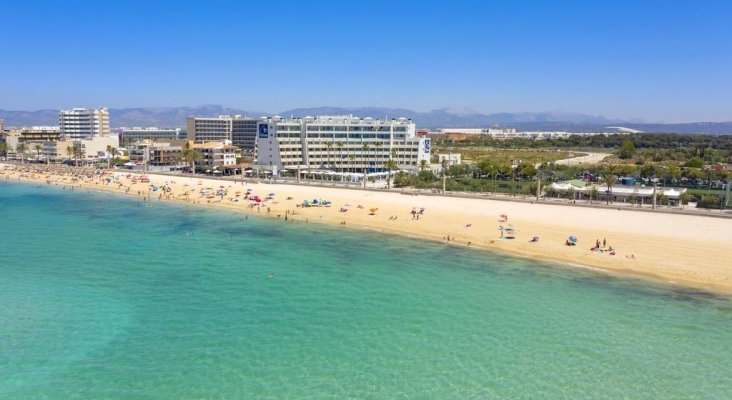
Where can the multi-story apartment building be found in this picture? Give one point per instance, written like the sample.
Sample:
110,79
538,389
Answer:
157,155
240,131
132,135
82,123
215,154
36,133
339,143
30,137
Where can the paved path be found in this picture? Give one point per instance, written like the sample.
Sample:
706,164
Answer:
590,158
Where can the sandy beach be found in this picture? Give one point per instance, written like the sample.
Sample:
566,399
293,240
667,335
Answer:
688,250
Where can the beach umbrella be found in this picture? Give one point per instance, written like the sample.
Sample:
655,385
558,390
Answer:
572,239
272,194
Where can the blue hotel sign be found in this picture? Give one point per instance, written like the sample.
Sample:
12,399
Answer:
427,145
263,131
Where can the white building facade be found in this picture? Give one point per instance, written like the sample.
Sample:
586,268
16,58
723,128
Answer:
339,143
83,123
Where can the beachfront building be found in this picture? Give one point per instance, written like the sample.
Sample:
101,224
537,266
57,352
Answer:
36,133
132,135
219,155
83,123
580,190
30,138
156,156
339,144
239,130
95,148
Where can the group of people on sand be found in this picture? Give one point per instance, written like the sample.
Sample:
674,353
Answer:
416,214
604,247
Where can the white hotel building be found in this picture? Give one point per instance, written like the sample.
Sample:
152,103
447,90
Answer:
83,123
339,143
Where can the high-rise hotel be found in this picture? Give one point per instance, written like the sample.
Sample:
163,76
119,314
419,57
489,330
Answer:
240,131
84,123
339,143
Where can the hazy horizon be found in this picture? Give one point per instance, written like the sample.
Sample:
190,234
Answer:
655,62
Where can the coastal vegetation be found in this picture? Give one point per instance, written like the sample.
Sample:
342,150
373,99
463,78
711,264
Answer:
699,163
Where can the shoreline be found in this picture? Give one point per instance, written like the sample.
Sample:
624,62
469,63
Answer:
666,248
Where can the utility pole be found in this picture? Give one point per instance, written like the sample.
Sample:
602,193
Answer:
655,186
538,187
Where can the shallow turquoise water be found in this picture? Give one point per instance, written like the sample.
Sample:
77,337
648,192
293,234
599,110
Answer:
100,298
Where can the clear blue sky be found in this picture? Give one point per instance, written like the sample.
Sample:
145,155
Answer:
654,60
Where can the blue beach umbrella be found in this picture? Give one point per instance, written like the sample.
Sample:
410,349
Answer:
572,239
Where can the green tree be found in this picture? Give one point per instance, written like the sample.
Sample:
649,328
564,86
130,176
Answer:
528,170
329,145
594,194
21,148
695,162
112,155
627,150
191,156
38,149
339,145
422,165
610,180
390,165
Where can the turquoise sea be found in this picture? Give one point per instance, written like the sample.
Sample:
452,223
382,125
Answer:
102,299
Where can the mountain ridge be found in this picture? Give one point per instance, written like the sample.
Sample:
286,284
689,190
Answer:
437,118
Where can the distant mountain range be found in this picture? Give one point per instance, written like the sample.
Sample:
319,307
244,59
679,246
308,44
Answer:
439,118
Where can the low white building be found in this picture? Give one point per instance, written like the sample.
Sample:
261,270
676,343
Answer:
619,193
450,158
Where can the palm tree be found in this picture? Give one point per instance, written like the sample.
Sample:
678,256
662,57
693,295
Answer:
38,149
377,148
329,145
112,154
69,151
191,156
4,149
609,180
78,153
339,145
422,165
351,162
365,148
21,149
390,165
